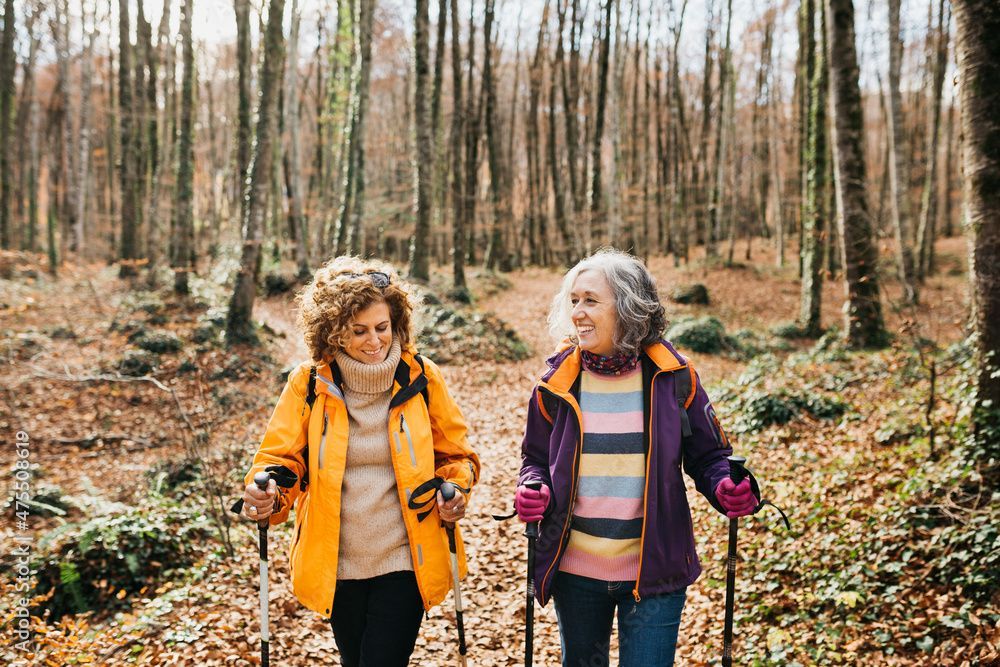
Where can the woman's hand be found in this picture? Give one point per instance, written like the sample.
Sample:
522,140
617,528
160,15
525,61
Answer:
451,510
531,503
737,499
257,504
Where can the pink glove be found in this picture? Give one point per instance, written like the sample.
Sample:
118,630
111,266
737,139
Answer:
530,504
737,499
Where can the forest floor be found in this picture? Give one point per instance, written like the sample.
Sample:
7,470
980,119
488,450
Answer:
887,561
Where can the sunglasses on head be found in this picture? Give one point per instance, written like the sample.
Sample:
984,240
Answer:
379,279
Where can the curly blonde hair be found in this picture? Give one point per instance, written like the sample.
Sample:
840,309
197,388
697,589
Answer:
341,289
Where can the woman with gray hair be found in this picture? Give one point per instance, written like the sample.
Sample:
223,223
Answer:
610,424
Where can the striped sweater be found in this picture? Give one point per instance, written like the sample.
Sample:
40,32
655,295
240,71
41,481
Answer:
607,518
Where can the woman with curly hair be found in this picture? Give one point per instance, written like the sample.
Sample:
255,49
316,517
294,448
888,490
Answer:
609,426
370,431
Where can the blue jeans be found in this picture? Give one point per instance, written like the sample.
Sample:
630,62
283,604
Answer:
585,608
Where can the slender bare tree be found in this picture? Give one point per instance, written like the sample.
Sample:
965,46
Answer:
814,222
424,150
239,325
297,223
7,65
898,172
864,326
928,201
184,206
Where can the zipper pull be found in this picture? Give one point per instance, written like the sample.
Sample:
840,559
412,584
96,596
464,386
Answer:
400,422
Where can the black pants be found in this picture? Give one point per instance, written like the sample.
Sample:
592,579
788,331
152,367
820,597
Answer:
376,621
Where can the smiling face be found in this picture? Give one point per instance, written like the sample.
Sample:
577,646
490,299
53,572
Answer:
370,334
594,314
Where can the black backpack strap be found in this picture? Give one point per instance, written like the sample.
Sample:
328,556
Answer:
423,392
310,399
311,387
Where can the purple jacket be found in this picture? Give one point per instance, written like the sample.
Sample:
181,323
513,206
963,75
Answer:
551,451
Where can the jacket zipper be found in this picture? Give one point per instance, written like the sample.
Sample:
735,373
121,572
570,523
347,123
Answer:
645,489
573,486
322,441
405,428
417,568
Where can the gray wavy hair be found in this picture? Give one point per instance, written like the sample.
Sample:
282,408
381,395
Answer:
641,317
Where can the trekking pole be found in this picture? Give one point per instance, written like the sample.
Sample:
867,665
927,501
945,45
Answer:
448,492
261,479
736,473
531,532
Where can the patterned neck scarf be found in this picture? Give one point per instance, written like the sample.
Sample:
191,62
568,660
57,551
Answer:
616,364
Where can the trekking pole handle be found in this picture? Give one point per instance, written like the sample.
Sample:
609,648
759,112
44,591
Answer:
262,479
448,492
737,471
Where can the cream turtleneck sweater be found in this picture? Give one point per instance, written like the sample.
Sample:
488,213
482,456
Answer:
373,538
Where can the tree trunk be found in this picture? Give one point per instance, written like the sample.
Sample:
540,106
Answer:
681,140
7,64
596,229
112,136
773,128
366,12
704,220
183,209
533,133
497,249
899,178
82,174
571,250
66,173
978,23
244,131
803,79
948,230
424,156
130,158
457,153
318,173
714,230
761,130
160,162
293,179
239,326
27,176
34,157
347,154
570,83
814,215
616,102
441,162
863,326
473,118
928,206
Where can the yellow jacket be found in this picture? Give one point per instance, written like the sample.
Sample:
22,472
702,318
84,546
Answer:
427,440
